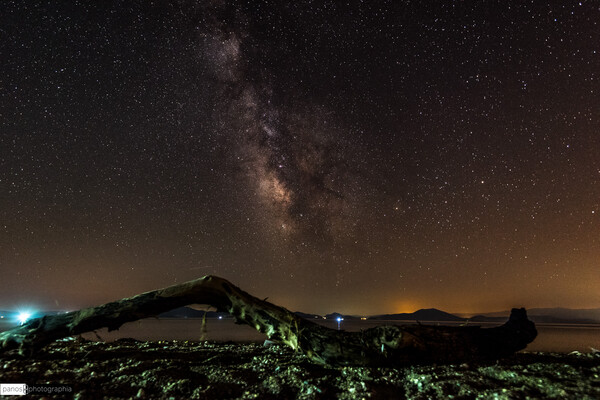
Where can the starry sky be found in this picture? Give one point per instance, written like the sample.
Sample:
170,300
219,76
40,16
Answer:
353,156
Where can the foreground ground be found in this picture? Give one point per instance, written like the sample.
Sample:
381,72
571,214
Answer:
204,370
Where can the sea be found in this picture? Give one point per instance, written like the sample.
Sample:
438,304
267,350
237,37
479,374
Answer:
562,338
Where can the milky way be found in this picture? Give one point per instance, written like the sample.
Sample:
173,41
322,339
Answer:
294,156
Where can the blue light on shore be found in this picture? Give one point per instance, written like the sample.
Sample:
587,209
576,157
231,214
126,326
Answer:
23,317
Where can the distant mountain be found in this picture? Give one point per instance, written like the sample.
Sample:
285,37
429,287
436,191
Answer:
337,315
187,312
484,318
308,316
549,319
592,314
429,314
549,316
539,315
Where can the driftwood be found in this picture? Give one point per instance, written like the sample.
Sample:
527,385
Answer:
382,345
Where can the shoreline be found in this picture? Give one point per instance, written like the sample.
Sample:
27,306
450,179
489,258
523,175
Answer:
551,338
128,368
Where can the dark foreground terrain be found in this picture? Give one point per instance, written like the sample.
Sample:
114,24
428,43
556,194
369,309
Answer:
204,370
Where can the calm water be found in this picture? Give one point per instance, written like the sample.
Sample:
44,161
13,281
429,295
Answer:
558,338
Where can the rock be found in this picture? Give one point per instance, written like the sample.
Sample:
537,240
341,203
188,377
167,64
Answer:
212,370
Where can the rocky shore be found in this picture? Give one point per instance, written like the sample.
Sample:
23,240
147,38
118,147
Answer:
206,370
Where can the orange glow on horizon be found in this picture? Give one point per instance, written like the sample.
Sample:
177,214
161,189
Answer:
405,306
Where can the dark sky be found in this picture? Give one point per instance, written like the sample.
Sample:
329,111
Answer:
361,157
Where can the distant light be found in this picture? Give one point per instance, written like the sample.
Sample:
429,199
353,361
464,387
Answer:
339,319
23,317
220,317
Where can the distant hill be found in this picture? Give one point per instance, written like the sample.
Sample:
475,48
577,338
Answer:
187,312
548,315
592,314
539,315
428,314
308,316
484,318
337,315
549,319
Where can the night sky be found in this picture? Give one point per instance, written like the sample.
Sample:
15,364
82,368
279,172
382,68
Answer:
360,157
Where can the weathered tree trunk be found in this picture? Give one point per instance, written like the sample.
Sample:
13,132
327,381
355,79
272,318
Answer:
383,345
